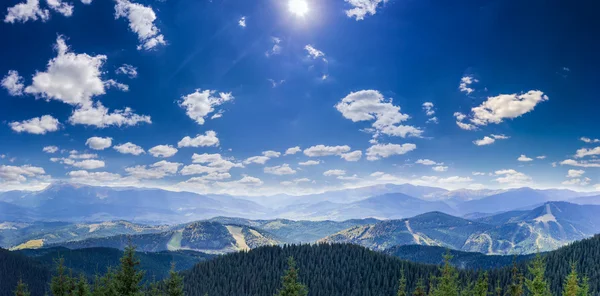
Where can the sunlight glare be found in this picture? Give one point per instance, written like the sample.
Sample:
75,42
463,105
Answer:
298,7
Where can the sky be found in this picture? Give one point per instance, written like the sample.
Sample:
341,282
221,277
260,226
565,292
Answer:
299,96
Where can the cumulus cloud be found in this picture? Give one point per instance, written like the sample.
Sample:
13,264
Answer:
292,150
511,176
163,151
386,150
352,156
61,7
583,152
310,162
575,173
428,108
506,106
478,174
370,105
426,162
82,176
295,181
360,8
440,168
256,159
334,173
524,158
322,150
209,139
50,149
10,173
242,22
128,70
99,143
141,21
489,140
313,52
585,139
541,157
276,49
465,83
283,169
13,83
89,164
271,154
157,170
583,164
209,163
129,148
201,103
99,116
36,125
28,10
577,182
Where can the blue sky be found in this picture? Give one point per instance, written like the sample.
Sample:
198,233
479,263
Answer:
502,79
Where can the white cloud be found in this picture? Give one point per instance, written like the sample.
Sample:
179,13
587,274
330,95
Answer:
128,70
113,83
360,8
141,21
36,125
157,170
583,164
29,10
50,149
478,174
370,105
275,83
425,162
256,159
578,182
575,173
20,173
86,177
283,169
506,106
428,108
440,168
454,179
310,162
98,143
70,78
386,150
210,163
242,22
163,151
465,82
292,151
349,178
276,47
246,181
97,115
202,102
585,139
207,140
313,52
13,83
511,176
89,164
61,7
271,154
490,140
524,158
74,154
322,150
466,126
541,157
295,181
583,152
432,120
334,173
129,148
352,156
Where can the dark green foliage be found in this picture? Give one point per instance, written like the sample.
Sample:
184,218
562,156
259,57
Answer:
128,277
15,267
22,289
447,283
402,286
515,287
174,283
62,284
419,289
536,283
290,283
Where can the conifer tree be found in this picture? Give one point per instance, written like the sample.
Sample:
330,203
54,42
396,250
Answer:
571,286
61,284
291,285
481,287
515,288
155,290
402,285
498,290
420,289
174,283
82,287
448,282
22,289
128,277
537,284
584,290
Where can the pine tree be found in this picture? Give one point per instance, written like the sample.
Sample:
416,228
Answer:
537,285
448,282
105,285
571,286
498,289
420,289
402,285
481,287
155,290
128,278
291,285
61,284
22,289
82,287
515,288
174,283
585,287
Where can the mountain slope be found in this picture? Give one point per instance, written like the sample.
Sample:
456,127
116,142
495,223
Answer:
506,201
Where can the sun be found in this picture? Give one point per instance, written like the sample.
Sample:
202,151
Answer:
298,7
